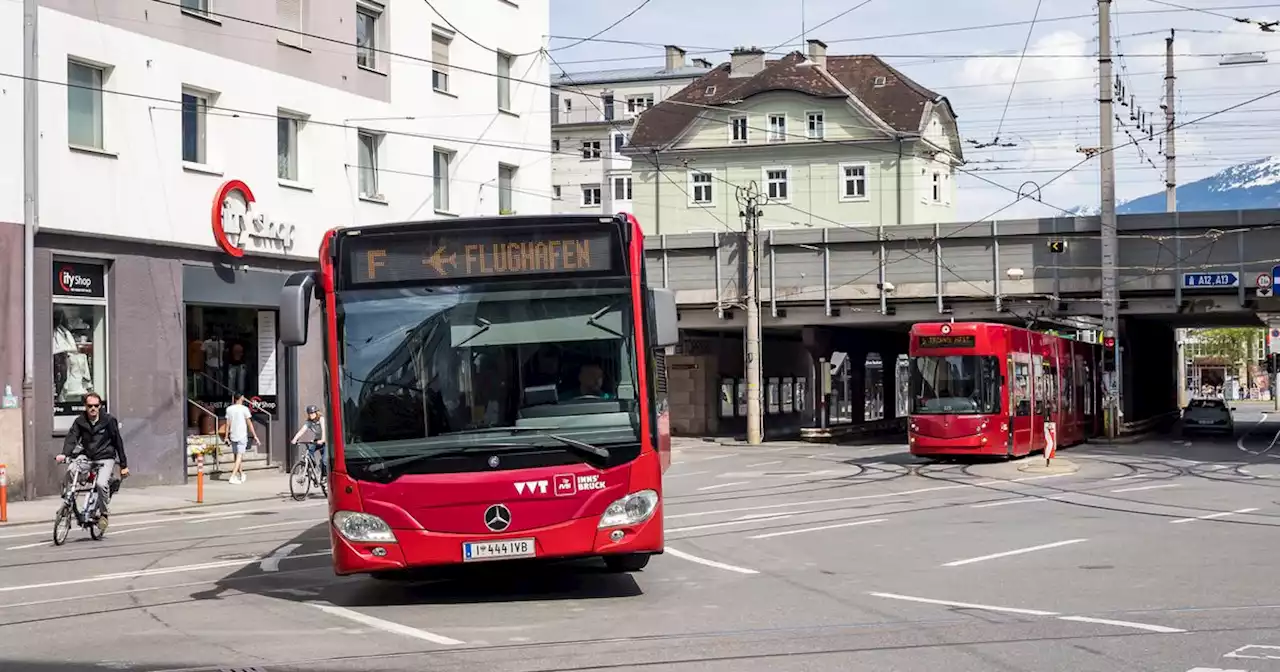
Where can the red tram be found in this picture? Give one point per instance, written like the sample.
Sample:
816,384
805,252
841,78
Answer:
988,389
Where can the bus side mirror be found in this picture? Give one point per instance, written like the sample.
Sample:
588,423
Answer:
665,331
295,308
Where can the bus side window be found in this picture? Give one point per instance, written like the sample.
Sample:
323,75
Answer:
1021,382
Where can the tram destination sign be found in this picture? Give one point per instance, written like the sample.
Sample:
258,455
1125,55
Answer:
946,341
479,255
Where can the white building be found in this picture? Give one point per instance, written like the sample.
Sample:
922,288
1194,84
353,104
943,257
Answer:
158,117
591,121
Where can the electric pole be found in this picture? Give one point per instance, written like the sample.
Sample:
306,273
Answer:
1170,174
749,200
30,221
1110,244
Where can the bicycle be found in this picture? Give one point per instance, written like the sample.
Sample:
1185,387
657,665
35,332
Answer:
81,478
305,473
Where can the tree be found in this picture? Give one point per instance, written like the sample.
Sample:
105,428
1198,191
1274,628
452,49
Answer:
1231,343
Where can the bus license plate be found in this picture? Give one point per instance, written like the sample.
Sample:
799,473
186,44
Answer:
496,550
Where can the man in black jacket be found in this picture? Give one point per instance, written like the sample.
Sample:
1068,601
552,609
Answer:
96,435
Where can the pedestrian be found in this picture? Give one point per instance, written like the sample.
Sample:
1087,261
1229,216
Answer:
240,430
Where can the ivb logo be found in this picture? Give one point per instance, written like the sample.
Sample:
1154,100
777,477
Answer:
566,485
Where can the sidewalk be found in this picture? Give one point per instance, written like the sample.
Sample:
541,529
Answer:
261,486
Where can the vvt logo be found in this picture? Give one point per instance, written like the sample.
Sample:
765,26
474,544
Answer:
531,487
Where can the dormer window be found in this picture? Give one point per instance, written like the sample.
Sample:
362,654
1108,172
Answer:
880,81
711,90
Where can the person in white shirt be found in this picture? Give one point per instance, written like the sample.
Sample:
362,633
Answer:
239,430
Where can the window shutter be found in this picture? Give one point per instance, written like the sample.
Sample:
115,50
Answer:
439,51
289,16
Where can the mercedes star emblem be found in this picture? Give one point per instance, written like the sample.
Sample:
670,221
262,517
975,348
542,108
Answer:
493,462
497,518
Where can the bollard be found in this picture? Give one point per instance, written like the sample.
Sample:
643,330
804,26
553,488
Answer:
4,494
200,478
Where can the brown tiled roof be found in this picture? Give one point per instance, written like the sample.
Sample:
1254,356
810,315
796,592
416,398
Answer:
900,102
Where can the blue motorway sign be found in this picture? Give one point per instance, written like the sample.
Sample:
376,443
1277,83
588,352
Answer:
1199,280
1275,275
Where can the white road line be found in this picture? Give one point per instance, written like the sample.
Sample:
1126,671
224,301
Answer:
1037,478
215,520
764,464
1125,477
833,500
19,548
691,473
965,605
1121,624
1264,651
284,524
817,529
1147,487
153,521
1211,516
1019,551
1022,500
1240,441
742,521
710,563
1214,669
272,562
722,485
134,529
716,457
385,626
149,572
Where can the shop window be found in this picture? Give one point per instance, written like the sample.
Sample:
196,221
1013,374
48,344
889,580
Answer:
788,388
771,396
801,403
229,350
79,337
727,405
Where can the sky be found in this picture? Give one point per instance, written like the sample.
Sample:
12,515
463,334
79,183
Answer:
1051,94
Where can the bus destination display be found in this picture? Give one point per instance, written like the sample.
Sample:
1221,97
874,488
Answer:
481,255
948,341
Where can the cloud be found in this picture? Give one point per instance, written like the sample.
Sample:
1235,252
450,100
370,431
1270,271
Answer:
1072,71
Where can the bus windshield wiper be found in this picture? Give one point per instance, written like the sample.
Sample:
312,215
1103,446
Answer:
438,452
495,430
587,450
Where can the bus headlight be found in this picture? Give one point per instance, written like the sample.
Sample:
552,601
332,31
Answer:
362,527
633,509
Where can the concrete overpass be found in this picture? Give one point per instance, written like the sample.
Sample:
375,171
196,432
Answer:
837,288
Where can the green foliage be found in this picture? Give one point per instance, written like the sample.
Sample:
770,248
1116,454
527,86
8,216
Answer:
1232,343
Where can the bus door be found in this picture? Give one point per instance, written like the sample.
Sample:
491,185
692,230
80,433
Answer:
1020,425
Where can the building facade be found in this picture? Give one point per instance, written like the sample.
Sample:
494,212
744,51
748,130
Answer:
192,154
591,121
829,140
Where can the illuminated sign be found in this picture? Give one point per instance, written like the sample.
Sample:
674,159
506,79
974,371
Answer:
238,227
440,256
949,341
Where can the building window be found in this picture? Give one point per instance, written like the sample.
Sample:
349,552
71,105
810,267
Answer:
506,178
638,104
195,109
591,149
777,184
80,352
368,145
568,109
937,187
367,17
200,7
84,105
291,21
440,168
739,127
700,191
622,188
777,127
618,140
440,41
853,180
555,108
506,63
555,145
555,192
607,99
590,195
287,127
816,126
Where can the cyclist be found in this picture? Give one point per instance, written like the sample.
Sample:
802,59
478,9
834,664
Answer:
96,435
314,424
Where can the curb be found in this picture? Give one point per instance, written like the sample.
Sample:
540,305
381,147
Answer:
168,509
1060,466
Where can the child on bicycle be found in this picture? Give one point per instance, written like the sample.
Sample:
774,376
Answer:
315,425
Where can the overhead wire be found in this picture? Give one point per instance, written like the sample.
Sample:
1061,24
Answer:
606,29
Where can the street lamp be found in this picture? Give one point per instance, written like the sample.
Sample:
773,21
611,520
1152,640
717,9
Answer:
1246,58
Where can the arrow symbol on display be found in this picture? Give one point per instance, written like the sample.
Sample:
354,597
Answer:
438,260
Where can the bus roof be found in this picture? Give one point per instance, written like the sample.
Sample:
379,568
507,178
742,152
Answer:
484,222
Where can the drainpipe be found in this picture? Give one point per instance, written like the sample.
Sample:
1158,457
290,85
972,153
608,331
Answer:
899,180
30,219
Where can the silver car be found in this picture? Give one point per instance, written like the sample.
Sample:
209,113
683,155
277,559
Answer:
1208,416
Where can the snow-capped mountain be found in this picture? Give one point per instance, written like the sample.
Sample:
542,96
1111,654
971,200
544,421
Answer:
1247,186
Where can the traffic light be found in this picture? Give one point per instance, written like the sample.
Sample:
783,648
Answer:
1109,342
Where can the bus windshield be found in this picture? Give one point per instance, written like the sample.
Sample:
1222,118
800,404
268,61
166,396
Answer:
493,366
955,385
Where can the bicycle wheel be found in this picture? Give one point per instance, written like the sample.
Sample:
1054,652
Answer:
322,481
300,481
61,526
99,530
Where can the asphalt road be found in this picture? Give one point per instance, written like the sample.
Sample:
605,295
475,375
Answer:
1156,556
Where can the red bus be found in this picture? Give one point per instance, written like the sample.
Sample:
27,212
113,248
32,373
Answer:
496,390
988,389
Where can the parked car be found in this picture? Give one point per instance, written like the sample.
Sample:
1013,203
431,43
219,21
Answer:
1208,416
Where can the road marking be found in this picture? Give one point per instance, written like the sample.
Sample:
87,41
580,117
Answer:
153,521
385,626
215,520
1240,441
722,485
1147,487
717,457
965,605
135,529
286,523
151,572
1022,500
272,562
743,521
1125,477
691,473
764,464
1268,652
809,473
832,500
710,563
1121,624
1019,551
19,548
1220,514
1037,478
1214,669
817,529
